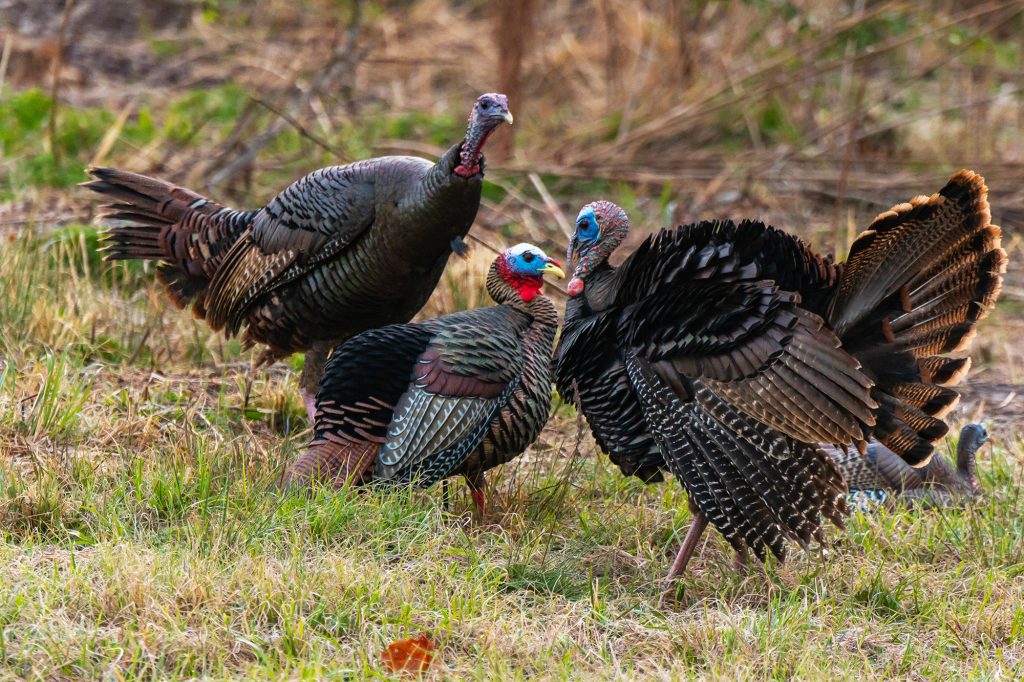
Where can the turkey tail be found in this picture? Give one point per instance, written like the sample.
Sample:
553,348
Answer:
155,220
332,460
914,287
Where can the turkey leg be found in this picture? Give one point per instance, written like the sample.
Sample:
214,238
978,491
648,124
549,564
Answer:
480,499
309,381
741,562
700,522
476,491
309,400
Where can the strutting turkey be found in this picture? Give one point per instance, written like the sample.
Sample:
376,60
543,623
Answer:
343,249
727,352
458,394
881,477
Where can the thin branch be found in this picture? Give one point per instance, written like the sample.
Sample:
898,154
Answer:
300,129
551,205
5,57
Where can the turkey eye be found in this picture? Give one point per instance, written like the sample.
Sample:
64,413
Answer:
528,257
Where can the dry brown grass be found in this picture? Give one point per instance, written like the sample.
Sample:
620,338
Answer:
139,533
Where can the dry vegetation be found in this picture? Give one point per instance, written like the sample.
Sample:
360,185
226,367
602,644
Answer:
140,532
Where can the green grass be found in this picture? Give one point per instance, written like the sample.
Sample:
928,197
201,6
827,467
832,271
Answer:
29,157
142,536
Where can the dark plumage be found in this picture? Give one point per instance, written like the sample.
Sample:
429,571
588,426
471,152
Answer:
881,477
342,250
457,394
727,352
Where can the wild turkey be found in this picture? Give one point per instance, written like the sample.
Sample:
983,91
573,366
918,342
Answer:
342,250
729,351
881,477
458,394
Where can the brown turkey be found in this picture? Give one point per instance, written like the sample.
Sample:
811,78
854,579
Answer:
342,250
727,352
880,477
458,394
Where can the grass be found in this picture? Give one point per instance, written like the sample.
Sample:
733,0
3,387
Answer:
142,536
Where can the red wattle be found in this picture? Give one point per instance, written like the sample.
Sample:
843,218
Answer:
575,287
528,290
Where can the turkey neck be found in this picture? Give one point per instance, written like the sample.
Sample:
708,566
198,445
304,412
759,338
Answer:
598,293
939,470
537,344
544,322
444,204
966,459
540,308
522,419
540,334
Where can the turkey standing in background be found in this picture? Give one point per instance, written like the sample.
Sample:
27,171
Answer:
342,250
882,477
458,394
728,352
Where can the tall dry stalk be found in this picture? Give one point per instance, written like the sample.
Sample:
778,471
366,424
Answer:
513,30
58,62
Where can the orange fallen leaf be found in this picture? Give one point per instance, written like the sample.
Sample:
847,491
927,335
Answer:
413,655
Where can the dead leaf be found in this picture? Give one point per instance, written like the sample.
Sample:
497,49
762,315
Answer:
413,655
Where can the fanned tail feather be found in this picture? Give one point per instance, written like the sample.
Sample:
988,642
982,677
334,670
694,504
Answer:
915,285
154,220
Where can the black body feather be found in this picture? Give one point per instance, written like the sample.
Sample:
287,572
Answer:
727,352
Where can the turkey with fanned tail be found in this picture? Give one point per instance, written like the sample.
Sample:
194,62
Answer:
343,249
458,394
727,352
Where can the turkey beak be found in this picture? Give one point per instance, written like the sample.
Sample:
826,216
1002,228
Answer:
570,255
508,117
551,268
